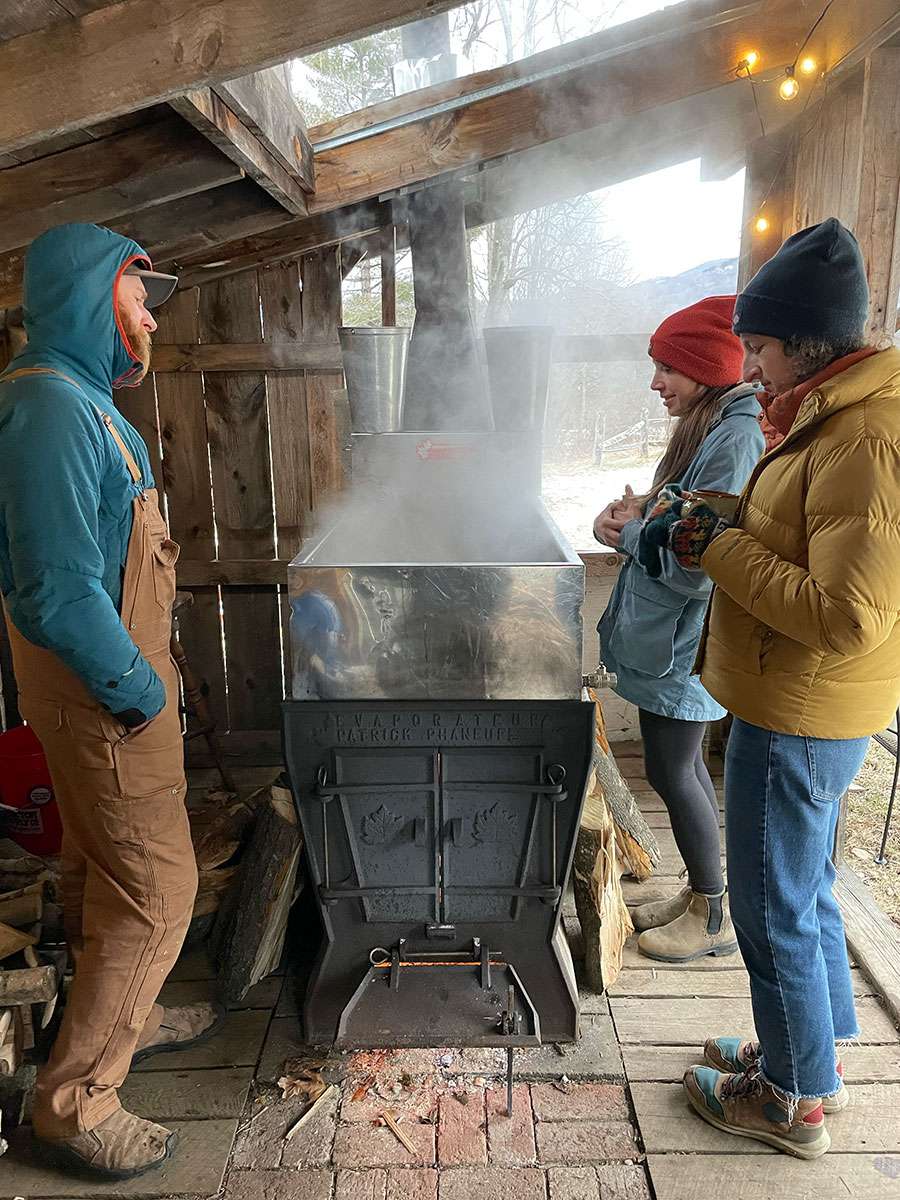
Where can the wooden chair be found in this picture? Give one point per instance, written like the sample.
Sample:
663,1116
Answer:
195,704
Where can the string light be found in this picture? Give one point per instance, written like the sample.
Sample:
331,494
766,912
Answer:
808,65
762,225
789,87
749,61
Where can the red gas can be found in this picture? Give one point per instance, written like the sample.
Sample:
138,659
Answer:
28,811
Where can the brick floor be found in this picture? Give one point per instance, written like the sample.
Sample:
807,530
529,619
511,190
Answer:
493,1183
580,1102
511,1140
611,1181
576,1143
462,1136
363,1145
419,1183
279,1185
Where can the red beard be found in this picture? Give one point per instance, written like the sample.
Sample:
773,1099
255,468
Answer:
139,342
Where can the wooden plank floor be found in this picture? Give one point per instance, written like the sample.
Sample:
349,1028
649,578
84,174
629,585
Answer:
662,1014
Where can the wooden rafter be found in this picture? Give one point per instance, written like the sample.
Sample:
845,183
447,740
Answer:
153,165
290,241
492,124
265,106
208,113
194,225
139,52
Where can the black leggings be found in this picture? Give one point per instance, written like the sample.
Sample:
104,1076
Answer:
673,759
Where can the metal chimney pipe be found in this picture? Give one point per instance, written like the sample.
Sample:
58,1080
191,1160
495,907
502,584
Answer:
444,388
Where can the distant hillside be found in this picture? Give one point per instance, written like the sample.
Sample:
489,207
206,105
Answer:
635,308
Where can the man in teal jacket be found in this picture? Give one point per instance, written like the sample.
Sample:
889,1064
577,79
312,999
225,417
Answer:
65,496
87,577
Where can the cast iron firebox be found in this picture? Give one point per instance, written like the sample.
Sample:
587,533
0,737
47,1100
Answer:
440,837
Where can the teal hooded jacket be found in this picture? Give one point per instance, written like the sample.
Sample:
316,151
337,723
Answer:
65,491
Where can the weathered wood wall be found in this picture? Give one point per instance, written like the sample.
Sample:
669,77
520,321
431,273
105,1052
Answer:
243,458
841,159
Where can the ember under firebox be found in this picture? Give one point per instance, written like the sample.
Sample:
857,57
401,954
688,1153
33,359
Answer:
438,747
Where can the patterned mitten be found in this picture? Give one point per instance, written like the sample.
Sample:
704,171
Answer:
670,496
689,538
654,536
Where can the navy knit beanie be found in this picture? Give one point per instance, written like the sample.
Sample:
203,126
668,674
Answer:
815,286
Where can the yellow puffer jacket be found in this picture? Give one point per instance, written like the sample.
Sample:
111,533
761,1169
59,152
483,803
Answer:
803,633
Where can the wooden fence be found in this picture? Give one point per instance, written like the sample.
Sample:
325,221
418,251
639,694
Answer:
247,425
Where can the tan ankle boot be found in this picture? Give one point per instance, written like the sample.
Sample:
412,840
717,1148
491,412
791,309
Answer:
703,928
661,912
181,1028
120,1147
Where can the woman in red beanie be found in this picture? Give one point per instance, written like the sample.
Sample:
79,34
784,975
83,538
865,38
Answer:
651,628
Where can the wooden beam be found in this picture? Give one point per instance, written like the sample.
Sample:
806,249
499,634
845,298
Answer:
630,81
643,32
249,571
215,120
268,109
169,232
617,150
291,241
139,52
768,194
256,356
568,167
599,347
878,218
152,165
352,254
389,276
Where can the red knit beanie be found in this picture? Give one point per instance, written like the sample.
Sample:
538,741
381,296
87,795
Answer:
698,342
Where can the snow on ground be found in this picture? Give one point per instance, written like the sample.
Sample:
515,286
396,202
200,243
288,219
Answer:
574,495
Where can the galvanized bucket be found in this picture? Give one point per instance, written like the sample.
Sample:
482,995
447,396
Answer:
518,365
375,370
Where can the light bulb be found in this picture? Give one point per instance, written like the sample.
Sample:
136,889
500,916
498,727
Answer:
762,224
751,59
789,86
807,65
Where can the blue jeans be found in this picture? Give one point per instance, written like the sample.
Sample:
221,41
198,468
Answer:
781,807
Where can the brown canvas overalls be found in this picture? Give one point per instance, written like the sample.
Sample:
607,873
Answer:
128,871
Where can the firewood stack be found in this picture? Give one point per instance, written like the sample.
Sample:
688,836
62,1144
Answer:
31,964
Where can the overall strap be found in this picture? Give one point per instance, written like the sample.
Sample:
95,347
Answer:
133,469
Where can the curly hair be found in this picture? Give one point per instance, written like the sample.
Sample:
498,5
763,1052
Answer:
810,355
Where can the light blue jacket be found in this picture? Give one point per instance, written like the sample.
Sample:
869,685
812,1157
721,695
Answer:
65,492
651,628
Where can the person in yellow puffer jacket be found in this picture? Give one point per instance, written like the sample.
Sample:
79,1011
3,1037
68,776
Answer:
802,645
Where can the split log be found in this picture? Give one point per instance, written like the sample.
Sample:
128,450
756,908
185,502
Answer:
218,829
638,848
12,1042
23,906
30,985
211,889
249,934
18,868
613,833
13,940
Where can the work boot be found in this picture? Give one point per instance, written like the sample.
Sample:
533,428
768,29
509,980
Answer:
180,1028
748,1106
661,912
120,1147
703,928
732,1055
